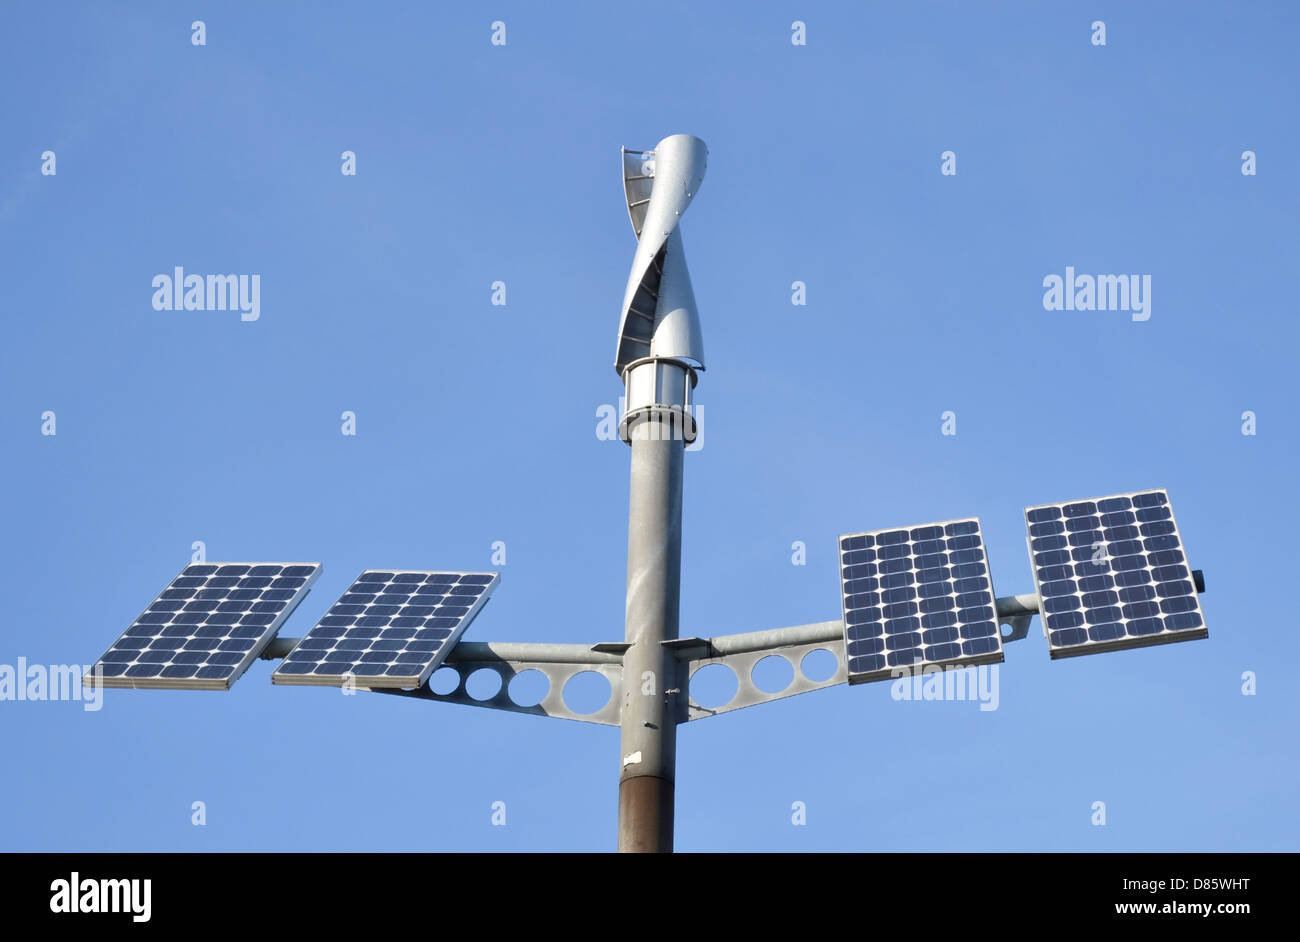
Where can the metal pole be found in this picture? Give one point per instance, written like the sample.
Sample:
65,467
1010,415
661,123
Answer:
659,351
650,671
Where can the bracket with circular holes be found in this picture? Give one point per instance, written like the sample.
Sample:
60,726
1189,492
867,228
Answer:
561,663
558,674
749,693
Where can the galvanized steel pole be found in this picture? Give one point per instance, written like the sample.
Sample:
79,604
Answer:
650,681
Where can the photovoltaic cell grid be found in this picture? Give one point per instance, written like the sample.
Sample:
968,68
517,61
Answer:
1111,574
389,629
207,626
917,596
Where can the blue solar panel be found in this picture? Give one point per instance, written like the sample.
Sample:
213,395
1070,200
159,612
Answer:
917,596
1111,574
389,629
207,626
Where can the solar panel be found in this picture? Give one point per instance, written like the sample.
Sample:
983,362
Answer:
389,629
915,597
206,627
1111,574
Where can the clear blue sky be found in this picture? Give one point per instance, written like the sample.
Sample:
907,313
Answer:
476,423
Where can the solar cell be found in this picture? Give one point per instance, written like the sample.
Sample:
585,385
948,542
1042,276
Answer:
917,596
1111,574
389,629
206,627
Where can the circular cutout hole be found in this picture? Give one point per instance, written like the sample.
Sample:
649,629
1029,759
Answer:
444,680
483,684
714,685
773,674
819,665
529,688
586,692
1007,631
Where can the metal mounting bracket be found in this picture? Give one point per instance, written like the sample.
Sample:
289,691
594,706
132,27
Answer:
742,652
1015,611
558,662
1019,625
